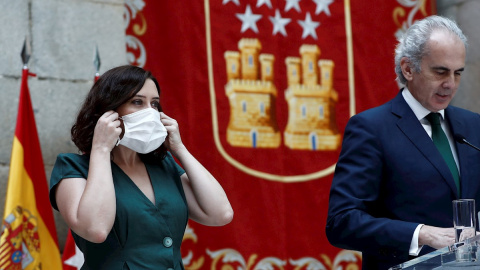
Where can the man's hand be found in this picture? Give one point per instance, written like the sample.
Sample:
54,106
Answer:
436,237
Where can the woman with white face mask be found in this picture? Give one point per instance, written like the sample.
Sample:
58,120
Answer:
125,198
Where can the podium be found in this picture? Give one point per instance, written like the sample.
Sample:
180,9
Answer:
446,258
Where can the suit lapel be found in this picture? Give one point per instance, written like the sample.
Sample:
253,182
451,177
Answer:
413,129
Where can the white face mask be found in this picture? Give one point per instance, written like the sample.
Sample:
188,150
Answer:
144,132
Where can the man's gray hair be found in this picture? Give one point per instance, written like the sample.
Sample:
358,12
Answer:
412,43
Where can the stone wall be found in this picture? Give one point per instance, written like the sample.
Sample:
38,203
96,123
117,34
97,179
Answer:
63,35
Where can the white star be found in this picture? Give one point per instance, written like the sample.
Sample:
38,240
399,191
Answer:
292,3
249,20
234,1
322,5
76,260
261,2
279,23
309,27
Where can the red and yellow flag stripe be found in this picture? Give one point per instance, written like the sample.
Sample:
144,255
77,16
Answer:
28,237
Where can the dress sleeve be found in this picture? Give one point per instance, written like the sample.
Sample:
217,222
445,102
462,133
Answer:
67,166
169,159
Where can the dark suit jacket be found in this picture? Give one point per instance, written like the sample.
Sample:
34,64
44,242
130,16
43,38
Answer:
390,177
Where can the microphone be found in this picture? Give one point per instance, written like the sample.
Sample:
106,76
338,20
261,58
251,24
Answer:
460,139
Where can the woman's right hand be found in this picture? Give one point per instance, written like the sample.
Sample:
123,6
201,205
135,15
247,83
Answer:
107,131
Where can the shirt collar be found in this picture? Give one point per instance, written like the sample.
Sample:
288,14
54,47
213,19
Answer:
417,108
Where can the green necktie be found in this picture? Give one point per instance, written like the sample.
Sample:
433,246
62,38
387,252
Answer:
441,142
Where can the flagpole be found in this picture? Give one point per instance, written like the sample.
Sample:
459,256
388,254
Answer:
26,52
96,63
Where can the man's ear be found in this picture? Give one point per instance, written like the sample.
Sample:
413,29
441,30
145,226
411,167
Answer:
407,69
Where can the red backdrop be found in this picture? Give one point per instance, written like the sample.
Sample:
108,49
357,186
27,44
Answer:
279,194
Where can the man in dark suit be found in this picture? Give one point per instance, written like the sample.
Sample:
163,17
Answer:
391,195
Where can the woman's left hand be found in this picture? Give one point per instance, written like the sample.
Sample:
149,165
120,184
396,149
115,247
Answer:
207,202
173,140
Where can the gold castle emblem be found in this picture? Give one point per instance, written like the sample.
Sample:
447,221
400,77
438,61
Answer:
251,92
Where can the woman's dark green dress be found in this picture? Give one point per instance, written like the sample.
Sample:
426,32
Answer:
144,235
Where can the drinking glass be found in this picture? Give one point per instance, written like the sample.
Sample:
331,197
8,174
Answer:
464,219
464,224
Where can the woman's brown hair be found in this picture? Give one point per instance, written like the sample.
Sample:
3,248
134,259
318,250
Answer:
112,89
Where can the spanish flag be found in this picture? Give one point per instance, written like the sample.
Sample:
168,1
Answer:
28,237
